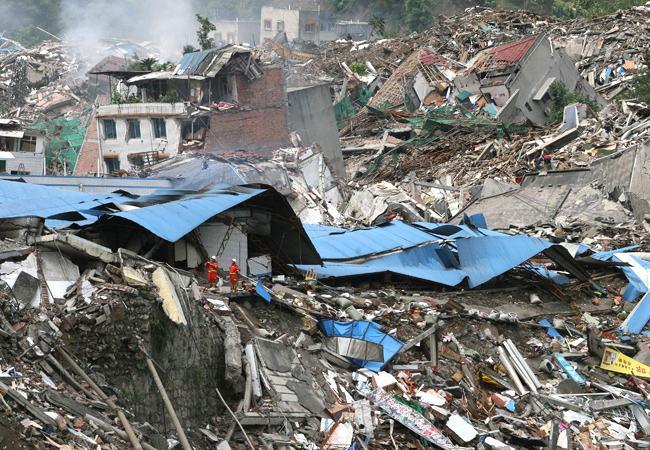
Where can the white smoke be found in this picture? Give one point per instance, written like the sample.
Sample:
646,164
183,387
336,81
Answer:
91,27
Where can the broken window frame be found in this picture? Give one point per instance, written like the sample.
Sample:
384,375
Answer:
280,25
133,130
268,25
112,164
106,129
159,126
29,141
309,28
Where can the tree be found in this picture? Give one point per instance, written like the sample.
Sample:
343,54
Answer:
378,25
418,14
189,48
203,34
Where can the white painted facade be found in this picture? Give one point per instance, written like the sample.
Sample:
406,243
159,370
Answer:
22,161
237,32
288,18
122,144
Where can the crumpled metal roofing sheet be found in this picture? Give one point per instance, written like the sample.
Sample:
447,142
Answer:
30,200
418,251
423,263
208,62
487,257
341,243
173,220
350,244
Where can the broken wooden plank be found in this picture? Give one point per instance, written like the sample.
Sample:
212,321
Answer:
417,339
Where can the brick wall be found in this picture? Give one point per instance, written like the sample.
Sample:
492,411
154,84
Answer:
261,122
89,153
191,359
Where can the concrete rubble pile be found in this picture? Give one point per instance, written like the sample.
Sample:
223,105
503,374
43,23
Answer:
479,278
51,79
404,335
422,131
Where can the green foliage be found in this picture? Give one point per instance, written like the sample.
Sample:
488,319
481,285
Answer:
19,19
203,33
595,8
561,97
418,14
168,98
378,24
189,48
148,65
642,82
359,68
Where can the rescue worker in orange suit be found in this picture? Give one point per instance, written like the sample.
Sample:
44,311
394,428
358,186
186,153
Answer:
213,268
234,276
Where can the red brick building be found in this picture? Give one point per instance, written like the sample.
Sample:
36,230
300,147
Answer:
219,100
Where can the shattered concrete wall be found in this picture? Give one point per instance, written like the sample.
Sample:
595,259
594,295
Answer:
191,358
640,184
311,115
261,122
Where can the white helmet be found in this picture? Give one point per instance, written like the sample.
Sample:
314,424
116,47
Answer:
213,257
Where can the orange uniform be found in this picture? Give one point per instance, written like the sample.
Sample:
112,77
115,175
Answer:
213,268
234,275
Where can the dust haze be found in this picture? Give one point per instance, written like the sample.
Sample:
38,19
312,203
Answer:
163,25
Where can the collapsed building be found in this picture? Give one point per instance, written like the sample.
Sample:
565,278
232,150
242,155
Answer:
214,101
472,284
517,77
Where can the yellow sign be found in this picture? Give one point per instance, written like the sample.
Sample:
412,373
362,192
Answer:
618,362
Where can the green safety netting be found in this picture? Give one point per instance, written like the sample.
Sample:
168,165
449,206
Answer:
343,110
64,138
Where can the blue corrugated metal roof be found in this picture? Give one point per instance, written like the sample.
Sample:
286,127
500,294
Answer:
190,63
423,263
489,256
28,200
173,220
340,243
365,331
439,253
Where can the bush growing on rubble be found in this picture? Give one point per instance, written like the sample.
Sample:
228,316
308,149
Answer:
359,68
642,82
561,97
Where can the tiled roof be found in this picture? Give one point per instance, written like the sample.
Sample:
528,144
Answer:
514,51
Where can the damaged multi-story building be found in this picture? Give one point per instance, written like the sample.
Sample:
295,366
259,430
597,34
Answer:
516,78
308,22
22,149
214,101
237,31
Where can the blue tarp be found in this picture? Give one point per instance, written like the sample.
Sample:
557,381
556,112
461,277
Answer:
366,331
